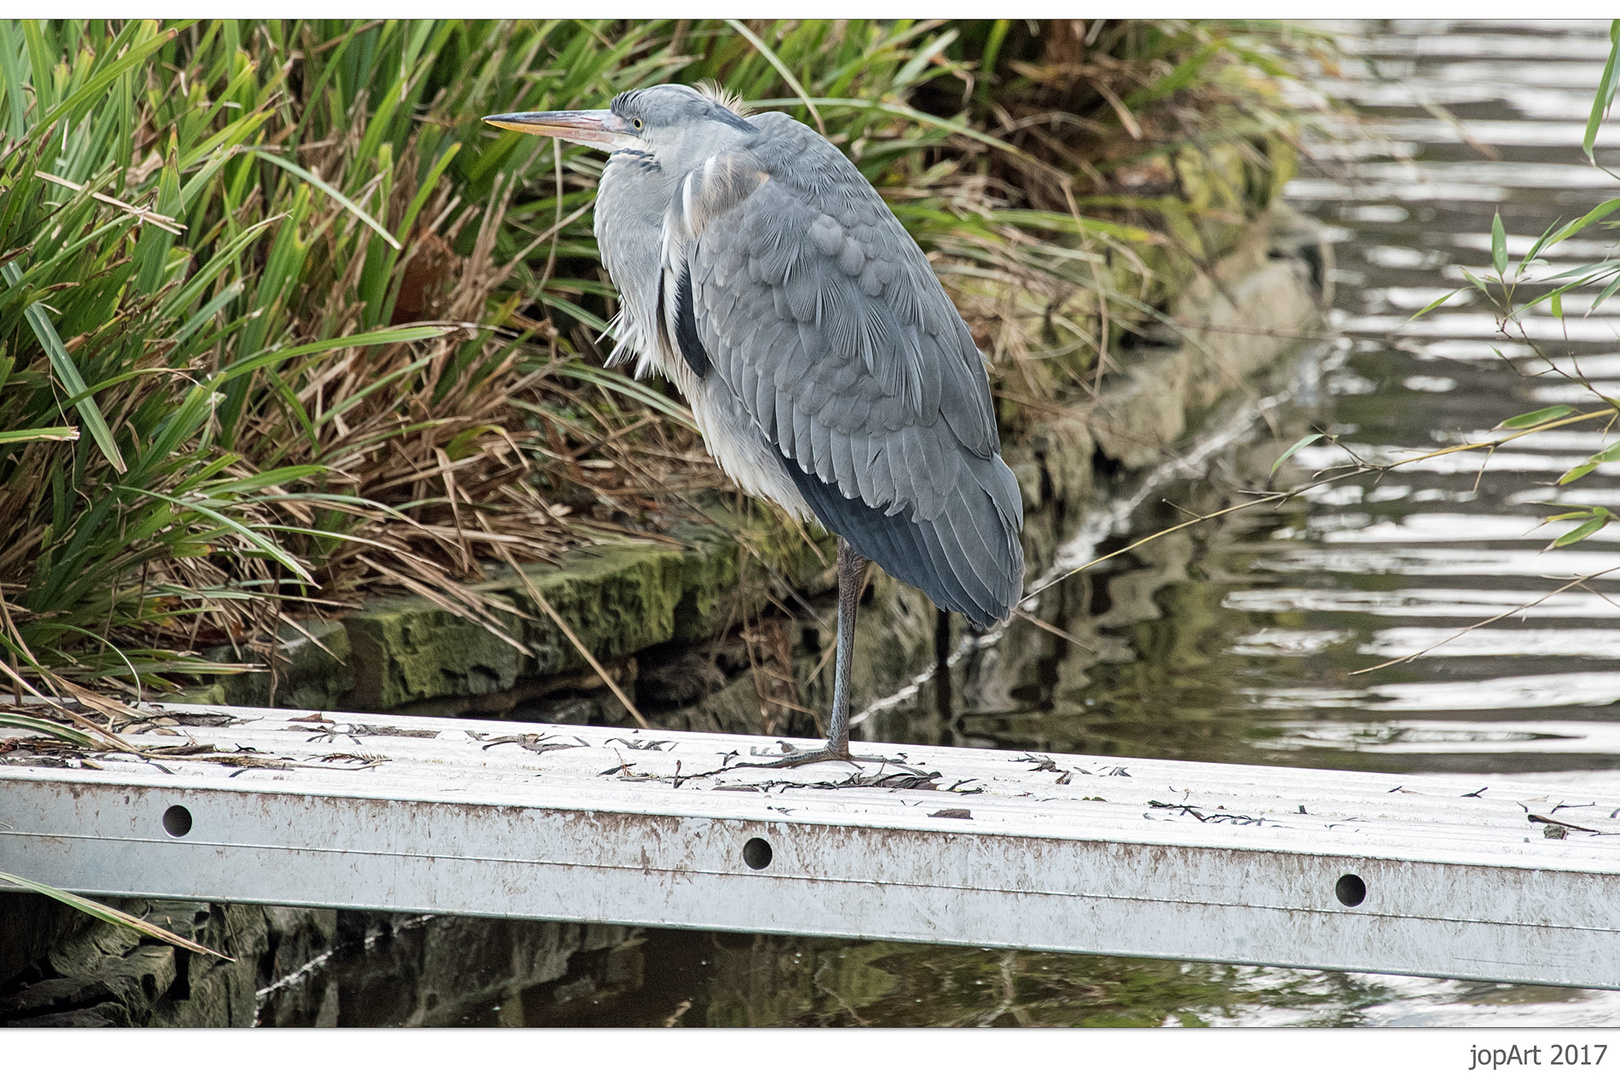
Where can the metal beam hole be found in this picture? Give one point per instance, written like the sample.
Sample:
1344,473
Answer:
1350,890
177,820
757,853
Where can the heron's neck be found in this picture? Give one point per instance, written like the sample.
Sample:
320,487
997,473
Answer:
629,230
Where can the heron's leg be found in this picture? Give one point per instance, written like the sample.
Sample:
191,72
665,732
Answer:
849,598
850,566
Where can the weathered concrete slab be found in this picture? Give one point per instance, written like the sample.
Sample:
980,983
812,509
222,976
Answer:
1442,875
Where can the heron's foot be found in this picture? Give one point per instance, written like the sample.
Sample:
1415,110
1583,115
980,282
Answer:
826,753
806,757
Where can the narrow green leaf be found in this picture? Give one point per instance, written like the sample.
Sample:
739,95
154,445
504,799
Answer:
1580,532
11,80
1575,474
956,127
1608,290
1588,273
208,311
152,250
261,545
914,67
258,481
1499,256
93,90
429,182
1604,95
1601,210
1431,305
39,321
46,727
1556,304
336,195
573,309
182,298
40,58
1540,416
341,407
1292,450
782,69
48,434
998,34
372,337
1535,248
641,392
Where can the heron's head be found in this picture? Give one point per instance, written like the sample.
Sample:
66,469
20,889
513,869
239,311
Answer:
678,125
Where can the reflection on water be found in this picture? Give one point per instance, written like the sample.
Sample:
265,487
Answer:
1457,604
1243,643
741,980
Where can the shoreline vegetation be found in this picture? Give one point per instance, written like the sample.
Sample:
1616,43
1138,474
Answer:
282,325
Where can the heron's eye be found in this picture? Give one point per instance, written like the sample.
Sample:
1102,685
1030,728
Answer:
637,123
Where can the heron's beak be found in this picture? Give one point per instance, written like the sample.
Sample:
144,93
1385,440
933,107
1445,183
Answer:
594,127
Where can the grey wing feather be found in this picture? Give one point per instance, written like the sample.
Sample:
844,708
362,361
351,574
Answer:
865,380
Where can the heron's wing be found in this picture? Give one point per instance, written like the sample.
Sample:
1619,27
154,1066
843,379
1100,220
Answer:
809,300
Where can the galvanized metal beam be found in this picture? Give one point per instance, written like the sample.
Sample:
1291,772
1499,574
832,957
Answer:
1355,871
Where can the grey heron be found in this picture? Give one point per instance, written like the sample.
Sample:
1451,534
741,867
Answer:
826,367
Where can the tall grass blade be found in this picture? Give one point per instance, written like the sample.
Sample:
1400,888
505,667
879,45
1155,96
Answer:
1605,94
39,322
333,193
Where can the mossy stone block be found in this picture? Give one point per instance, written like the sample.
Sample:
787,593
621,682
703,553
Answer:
408,649
312,671
710,574
213,693
617,599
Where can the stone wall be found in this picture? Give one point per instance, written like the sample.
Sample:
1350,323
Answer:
293,967
100,975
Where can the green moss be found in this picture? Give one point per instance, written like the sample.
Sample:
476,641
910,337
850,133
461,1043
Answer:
404,650
618,599
205,694
311,671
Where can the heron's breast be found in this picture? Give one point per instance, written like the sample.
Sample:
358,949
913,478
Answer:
735,441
